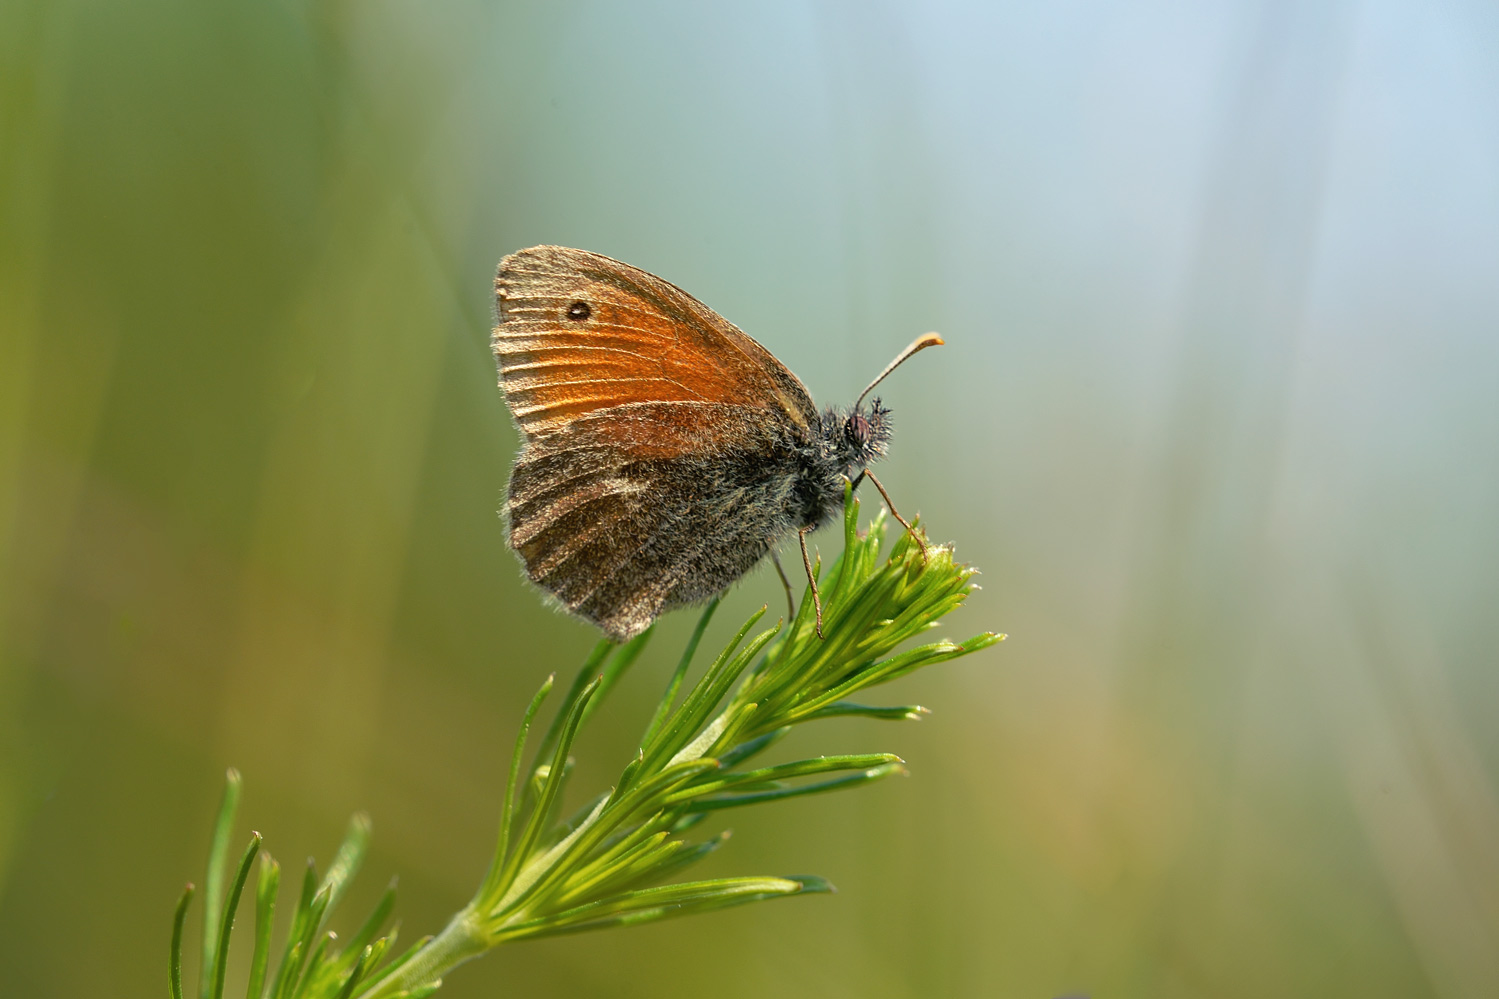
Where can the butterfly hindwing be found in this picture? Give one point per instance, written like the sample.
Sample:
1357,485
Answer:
621,517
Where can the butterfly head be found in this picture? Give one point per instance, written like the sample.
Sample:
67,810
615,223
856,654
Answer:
858,437
861,436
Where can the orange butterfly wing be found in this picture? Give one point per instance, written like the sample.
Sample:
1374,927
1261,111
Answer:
629,393
580,332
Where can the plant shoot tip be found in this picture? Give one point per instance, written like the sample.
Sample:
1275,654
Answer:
596,857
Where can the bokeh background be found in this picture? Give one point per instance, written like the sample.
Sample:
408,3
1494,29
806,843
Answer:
1218,418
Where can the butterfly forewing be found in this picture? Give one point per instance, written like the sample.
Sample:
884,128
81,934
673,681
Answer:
580,332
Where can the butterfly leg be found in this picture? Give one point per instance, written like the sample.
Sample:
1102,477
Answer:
801,536
790,600
896,513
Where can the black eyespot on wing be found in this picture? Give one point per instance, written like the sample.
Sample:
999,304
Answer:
579,311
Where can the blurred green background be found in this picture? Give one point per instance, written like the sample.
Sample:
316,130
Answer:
1218,417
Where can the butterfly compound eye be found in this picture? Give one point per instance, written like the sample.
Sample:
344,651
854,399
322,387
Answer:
579,311
857,430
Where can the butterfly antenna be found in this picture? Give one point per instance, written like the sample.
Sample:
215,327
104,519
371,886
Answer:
920,343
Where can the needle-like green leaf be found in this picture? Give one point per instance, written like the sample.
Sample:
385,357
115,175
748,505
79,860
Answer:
507,807
213,882
650,904
265,907
174,969
226,921
679,674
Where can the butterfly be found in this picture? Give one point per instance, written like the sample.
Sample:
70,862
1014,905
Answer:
664,452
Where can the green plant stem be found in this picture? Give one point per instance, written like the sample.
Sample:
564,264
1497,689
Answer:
463,939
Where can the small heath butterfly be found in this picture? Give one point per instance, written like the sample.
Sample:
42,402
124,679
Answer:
665,452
